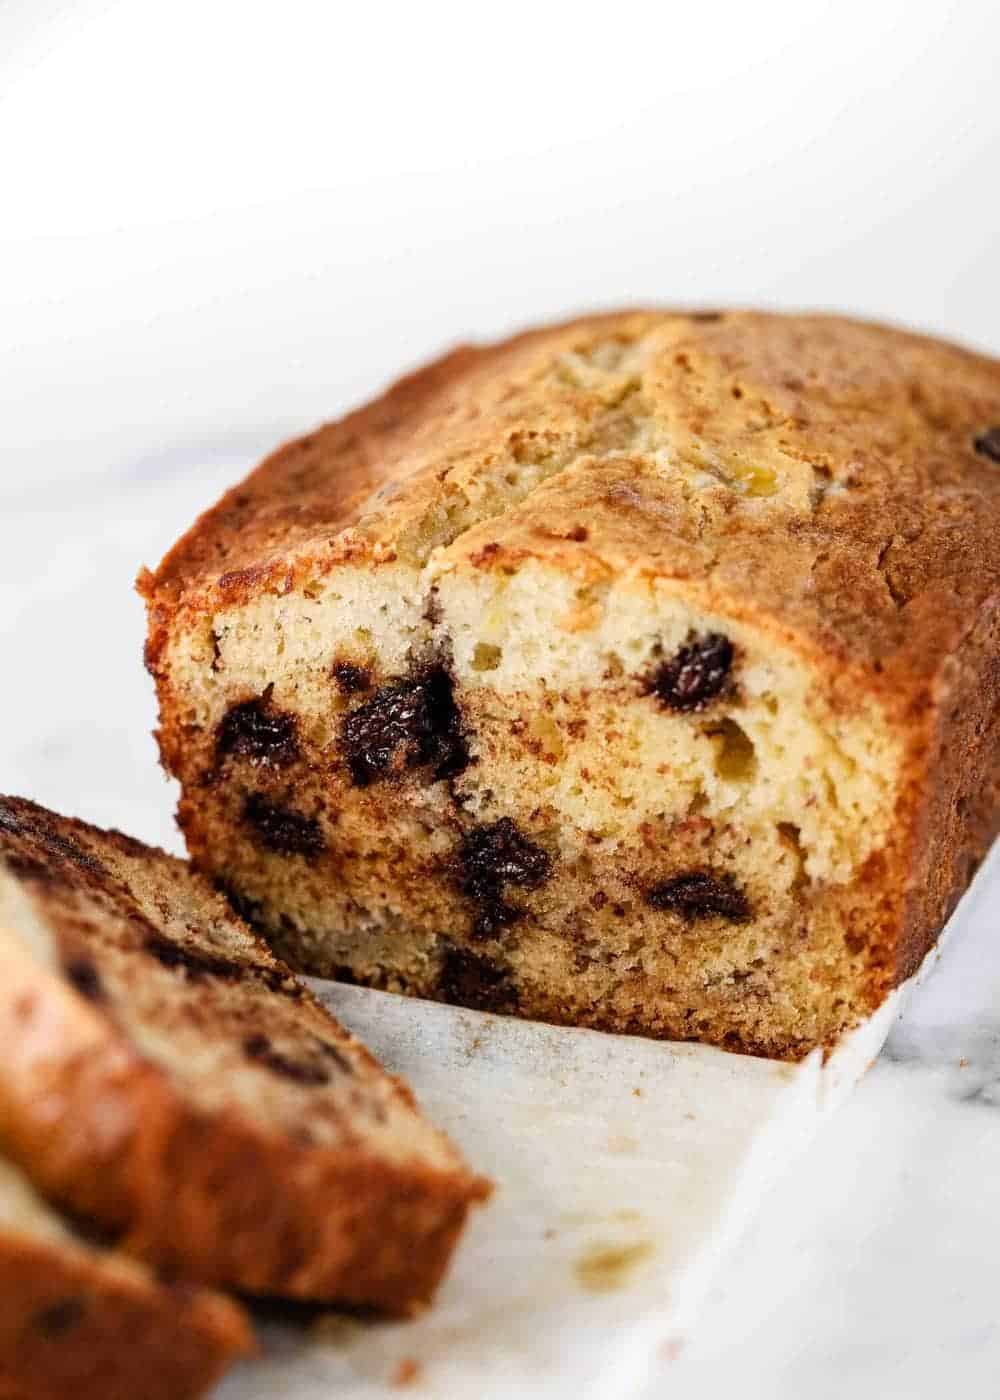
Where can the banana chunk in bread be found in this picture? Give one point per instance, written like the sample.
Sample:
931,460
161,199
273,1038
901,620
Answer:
80,1320
167,1077
639,673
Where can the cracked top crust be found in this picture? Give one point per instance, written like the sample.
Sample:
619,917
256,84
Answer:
817,473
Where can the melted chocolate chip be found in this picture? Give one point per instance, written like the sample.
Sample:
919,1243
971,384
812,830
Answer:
259,1049
59,1318
700,895
257,731
987,444
468,979
695,675
81,973
488,859
281,830
410,723
351,679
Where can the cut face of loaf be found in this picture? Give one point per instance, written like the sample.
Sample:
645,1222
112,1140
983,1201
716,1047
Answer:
165,1076
640,673
76,1319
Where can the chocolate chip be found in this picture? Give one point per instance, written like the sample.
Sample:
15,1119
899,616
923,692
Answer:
491,857
469,979
350,678
699,894
259,1049
987,444
695,675
409,723
281,830
257,731
60,1318
81,973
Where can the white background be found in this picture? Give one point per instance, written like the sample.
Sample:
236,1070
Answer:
222,222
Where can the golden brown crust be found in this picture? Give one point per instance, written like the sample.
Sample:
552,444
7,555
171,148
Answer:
882,507
71,1325
111,1130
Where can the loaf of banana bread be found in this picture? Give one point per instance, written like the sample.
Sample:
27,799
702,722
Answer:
165,1076
640,673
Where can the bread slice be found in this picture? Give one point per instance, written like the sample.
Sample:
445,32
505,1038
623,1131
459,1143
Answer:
165,1076
641,672
79,1320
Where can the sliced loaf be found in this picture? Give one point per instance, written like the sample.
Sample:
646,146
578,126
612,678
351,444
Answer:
164,1075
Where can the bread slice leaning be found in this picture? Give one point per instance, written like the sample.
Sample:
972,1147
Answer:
166,1076
79,1320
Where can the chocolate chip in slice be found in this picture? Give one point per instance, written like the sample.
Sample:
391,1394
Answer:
195,963
310,1073
281,830
409,723
488,859
699,894
695,675
987,444
60,1317
469,979
256,730
351,679
81,973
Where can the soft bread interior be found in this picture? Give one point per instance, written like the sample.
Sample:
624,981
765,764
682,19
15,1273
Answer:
559,687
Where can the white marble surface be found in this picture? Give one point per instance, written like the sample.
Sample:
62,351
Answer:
869,1271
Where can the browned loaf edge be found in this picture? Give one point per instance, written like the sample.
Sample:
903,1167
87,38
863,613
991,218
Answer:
113,1122
74,1321
831,483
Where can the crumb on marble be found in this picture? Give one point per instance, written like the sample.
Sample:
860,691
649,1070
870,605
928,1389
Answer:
407,1372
